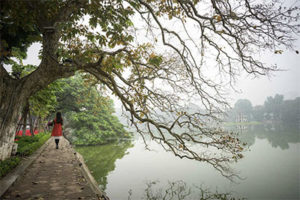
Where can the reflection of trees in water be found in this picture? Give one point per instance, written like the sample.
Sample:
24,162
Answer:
101,159
278,134
179,190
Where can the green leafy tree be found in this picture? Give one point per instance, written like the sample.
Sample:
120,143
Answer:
89,115
18,30
42,104
273,106
290,112
103,38
243,107
258,113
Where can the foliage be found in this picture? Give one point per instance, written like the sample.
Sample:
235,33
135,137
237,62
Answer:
88,114
17,29
258,113
27,145
8,164
274,109
101,159
273,106
243,105
290,111
44,101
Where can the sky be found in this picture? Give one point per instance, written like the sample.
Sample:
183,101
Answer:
285,82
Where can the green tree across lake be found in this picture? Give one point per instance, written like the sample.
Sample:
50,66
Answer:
275,109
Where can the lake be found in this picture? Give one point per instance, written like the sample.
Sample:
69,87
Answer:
270,169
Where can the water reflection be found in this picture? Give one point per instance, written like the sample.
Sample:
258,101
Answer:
101,159
277,134
179,190
271,168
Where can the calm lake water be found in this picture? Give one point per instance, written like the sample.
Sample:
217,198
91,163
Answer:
271,168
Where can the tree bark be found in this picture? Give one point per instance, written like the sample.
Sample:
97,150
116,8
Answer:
25,113
19,126
10,107
31,124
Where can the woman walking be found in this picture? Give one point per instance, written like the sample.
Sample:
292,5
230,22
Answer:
57,128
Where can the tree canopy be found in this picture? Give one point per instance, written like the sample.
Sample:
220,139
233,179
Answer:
88,113
274,109
155,56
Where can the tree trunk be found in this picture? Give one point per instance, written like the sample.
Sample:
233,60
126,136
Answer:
36,123
19,125
25,113
10,108
31,124
14,93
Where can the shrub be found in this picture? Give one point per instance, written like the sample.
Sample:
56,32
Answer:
8,164
28,144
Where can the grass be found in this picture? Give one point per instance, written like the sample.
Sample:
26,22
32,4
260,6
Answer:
26,146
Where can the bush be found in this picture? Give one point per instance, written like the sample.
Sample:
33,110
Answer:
8,164
28,144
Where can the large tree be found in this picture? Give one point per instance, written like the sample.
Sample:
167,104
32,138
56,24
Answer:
183,41
243,107
273,105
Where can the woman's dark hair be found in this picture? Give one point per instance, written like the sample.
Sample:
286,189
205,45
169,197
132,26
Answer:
59,118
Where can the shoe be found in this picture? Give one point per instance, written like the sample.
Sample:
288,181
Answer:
56,147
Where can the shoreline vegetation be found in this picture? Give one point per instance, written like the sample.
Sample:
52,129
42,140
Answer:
108,142
27,145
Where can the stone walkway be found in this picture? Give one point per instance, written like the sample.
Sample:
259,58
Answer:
55,174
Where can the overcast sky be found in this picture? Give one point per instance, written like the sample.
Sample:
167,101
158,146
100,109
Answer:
256,90
282,82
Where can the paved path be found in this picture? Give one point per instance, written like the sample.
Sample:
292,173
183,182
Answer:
55,174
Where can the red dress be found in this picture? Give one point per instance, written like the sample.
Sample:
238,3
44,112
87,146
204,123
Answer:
57,129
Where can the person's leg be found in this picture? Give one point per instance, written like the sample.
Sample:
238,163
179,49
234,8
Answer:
56,142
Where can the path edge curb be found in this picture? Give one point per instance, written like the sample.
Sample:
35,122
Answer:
89,178
7,181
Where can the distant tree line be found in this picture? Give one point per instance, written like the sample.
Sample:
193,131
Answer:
274,109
